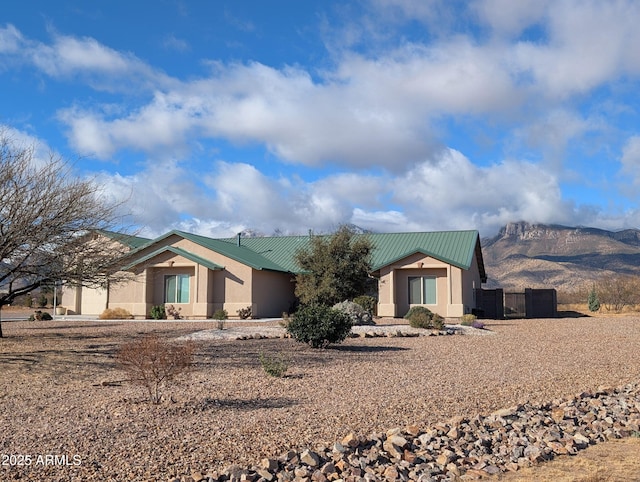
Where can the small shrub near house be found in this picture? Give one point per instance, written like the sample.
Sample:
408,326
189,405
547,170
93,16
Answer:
274,365
468,319
319,325
472,321
357,314
115,314
158,313
221,315
244,313
421,317
369,303
40,315
154,363
174,312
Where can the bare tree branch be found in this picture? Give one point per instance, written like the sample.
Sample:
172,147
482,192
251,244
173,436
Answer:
50,225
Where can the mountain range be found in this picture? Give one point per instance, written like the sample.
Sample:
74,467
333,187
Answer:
524,255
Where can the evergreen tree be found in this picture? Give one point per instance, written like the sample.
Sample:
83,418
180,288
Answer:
593,301
335,268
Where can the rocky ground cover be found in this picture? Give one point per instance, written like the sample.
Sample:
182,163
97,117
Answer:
383,406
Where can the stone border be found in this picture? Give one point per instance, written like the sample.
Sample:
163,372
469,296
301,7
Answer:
365,331
462,448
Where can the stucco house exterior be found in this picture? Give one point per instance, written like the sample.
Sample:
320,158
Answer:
199,275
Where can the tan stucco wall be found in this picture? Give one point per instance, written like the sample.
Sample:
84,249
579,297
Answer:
454,292
132,295
273,293
235,287
471,280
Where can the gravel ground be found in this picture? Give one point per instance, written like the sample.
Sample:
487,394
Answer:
55,409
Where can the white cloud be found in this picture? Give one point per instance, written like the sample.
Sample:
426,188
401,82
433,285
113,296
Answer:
11,40
588,43
630,159
506,17
455,194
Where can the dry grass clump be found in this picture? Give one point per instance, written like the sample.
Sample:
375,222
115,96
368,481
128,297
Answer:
115,314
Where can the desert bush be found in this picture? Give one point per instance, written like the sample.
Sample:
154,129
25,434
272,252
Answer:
467,319
616,292
273,365
42,301
319,325
357,314
421,317
174,312
220,315
369,303
153,363
592,300
115,314
40,316
158,313
244,313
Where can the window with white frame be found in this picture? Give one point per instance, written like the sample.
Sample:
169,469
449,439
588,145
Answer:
422,290
176,288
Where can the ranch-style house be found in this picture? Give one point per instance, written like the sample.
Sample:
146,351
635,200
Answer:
199,275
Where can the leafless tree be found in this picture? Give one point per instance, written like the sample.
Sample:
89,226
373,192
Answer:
153,363
49,220
616,292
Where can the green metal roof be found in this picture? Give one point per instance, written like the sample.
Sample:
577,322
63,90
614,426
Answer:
278,253
126,239
453,247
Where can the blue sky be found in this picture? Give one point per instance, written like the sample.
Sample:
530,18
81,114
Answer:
395,115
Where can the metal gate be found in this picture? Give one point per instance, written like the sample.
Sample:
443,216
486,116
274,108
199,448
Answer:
515,305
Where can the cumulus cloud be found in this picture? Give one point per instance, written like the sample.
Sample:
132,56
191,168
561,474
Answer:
68,57
630,159
449,193
378,121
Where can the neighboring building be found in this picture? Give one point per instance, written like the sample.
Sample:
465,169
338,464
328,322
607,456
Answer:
200,275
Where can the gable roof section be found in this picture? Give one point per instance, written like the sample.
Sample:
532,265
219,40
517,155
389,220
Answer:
128,240
278,253
180,252
241,253
453,247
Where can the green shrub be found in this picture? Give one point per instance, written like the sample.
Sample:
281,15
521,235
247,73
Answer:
357,314
42,301
468,319
421,317
158,313
220,315
276,366
40,316
319,325
369,303
593,301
